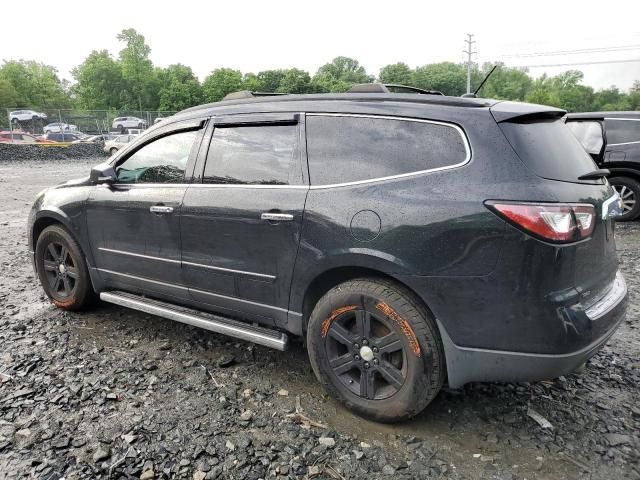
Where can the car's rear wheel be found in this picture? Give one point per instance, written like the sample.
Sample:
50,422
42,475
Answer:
376,349
121,128
15,121
113,151
140,126
62,269
629,191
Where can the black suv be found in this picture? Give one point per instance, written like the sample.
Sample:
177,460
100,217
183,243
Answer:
613,140
409,239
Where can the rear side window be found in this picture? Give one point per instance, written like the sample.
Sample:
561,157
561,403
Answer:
549,149
589,134
253,154
622,131
345,149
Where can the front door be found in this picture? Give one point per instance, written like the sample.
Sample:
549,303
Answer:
134,223
241,224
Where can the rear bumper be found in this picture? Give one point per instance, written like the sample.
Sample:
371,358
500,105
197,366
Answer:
465,364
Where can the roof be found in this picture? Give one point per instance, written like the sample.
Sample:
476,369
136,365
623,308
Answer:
352,97
601,115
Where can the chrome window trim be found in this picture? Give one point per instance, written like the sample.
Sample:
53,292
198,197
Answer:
465,142
623,119
623,143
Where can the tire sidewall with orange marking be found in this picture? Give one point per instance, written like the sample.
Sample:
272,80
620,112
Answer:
409,319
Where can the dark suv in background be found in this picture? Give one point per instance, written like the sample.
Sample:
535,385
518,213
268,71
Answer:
410,239
613,140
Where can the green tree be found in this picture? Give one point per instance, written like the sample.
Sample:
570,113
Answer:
137,71
295,81
339,75
504,83
447,77
221,82
251,82
179,89
270,80
611,99
32,84
398,73
99,82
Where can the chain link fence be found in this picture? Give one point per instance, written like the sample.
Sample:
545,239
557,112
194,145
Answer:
40,121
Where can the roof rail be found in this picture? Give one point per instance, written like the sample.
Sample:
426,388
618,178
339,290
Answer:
390,88
248,94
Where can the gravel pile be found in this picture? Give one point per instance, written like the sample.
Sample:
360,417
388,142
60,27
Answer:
21,153
113,393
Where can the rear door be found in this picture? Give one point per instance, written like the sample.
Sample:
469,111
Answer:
134,223
241,223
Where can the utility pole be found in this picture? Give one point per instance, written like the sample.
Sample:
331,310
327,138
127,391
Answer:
469,51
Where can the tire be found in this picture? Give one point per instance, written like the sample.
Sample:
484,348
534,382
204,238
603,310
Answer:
629,191
70,287
140,126
113,151
120,127
15,121
402,358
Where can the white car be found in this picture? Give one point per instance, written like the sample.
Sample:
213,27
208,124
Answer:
25,115
123,123
112,146
58,127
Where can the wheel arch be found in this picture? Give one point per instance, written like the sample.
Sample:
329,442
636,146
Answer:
328,279
623,170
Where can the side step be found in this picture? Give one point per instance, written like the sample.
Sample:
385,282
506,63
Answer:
208,321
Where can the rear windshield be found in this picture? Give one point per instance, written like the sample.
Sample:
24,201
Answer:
549,149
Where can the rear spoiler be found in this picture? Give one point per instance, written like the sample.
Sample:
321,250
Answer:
517,111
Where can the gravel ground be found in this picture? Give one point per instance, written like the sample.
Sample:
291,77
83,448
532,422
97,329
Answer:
114,393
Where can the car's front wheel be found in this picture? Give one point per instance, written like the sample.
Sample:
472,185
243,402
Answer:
62,269
376,349
629,191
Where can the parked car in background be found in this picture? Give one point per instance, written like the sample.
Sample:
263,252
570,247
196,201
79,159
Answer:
613,141
62,137
123,123
18,137
58,127
91,139
409,239
17,116
134,131
112,146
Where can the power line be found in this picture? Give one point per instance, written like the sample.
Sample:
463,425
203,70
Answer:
630,60
619,48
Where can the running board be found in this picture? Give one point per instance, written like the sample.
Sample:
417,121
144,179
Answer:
215,323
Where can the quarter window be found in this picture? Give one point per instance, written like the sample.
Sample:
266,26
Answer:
622,131
347,149
253,154
162,161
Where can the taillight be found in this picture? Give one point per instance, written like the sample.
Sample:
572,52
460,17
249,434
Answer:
555,222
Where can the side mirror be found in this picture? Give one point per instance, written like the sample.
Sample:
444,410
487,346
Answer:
103,173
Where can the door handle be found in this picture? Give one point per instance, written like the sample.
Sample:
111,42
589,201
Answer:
160,209
277,217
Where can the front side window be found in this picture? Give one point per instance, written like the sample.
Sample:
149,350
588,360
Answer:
589,134
162,161
622,131
252,154
345,149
